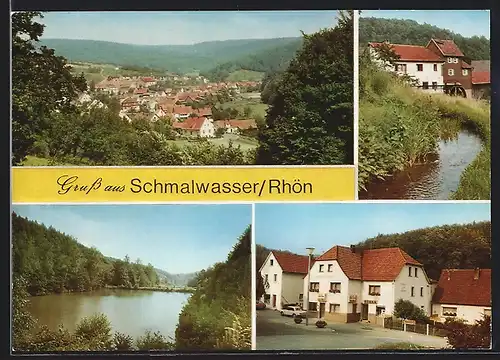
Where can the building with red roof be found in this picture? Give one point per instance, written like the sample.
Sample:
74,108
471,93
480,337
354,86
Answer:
195,126
438,66
348,284
283,275
235,126
462,293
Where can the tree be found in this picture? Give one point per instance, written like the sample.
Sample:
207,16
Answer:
462,335
405,309
310,117
41,84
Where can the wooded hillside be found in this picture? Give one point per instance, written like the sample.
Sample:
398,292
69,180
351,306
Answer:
410,32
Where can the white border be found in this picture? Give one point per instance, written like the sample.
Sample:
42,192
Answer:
356,99
254,282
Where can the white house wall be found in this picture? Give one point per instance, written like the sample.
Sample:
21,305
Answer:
275,287
292,287
403,286
427,74
465,312
386,297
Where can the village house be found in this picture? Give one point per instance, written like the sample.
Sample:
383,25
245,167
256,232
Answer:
130,104
440,65
481,82
182,112
235,126
148,81
350,285
195,126
463,294
282,274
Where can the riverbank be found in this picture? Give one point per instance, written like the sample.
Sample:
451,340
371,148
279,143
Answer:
400,127
155,288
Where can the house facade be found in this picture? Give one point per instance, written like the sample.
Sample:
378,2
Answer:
462,293
440,65
349,285
282,274
195,126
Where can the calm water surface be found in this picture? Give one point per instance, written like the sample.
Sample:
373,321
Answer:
130,311
435,180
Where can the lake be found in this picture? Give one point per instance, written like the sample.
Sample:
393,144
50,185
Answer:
130,311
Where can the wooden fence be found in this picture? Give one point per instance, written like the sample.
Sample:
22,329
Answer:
412,326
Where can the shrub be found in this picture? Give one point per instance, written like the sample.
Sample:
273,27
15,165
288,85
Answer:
320,324
405,309
95,330
462,335
122,342
153,341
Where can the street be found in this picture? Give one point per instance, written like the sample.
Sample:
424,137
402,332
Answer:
276,332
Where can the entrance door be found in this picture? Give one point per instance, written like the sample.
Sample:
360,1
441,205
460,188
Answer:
274,301
354,308
322,309
364,311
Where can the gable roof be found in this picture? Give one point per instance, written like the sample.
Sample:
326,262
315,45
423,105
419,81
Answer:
481,77
412,52
459,287
192,123
369,265
291,263
448,47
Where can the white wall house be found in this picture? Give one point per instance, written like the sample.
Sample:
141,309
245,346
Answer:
283,274
350,285
462,293
418,62
207,128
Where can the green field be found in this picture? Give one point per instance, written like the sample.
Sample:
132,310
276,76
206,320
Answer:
245,75
258,108
244,142
98,72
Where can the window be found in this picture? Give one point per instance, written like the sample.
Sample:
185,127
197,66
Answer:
301,297
450,60
380,310
420,67
314,287
425,86
487,312
266,278
416,272
267,298
455,60
422,291
449,311
313,306
465,72
374,290
401,68
435,67
321,268
412,291
275,277
330,267
434,85
451,72
334,308
335,287
272,262
409,271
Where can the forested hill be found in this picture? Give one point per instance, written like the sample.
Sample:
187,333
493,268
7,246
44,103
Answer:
173,58
449,246
221,302
268,61
398,31
53,262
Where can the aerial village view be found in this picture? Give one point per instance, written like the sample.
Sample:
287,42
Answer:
324,283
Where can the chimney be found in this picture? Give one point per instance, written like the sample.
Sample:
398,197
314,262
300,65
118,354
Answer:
476,273
353,248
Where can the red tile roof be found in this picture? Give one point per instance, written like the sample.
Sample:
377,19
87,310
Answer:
369,265
141,91
148,79
465,65
291,263
448,47
480,77
412,52
183,110
204,111
191,124
240,124
459,287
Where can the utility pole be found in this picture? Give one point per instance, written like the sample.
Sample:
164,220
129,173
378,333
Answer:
309,253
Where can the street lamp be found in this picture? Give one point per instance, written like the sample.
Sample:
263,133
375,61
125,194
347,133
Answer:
309,253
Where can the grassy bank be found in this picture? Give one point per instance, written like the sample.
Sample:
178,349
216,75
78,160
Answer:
400,126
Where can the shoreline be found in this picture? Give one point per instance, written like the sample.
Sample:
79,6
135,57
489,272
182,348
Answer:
185,290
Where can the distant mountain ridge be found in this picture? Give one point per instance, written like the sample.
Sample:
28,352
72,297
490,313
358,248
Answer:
201,57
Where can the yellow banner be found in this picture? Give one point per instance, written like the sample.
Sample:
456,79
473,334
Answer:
208,184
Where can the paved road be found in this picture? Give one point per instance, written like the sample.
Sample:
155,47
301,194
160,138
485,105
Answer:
275,332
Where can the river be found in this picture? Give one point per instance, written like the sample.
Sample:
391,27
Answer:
437,179
131,312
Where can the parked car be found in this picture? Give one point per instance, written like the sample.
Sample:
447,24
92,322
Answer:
293,311
260,305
